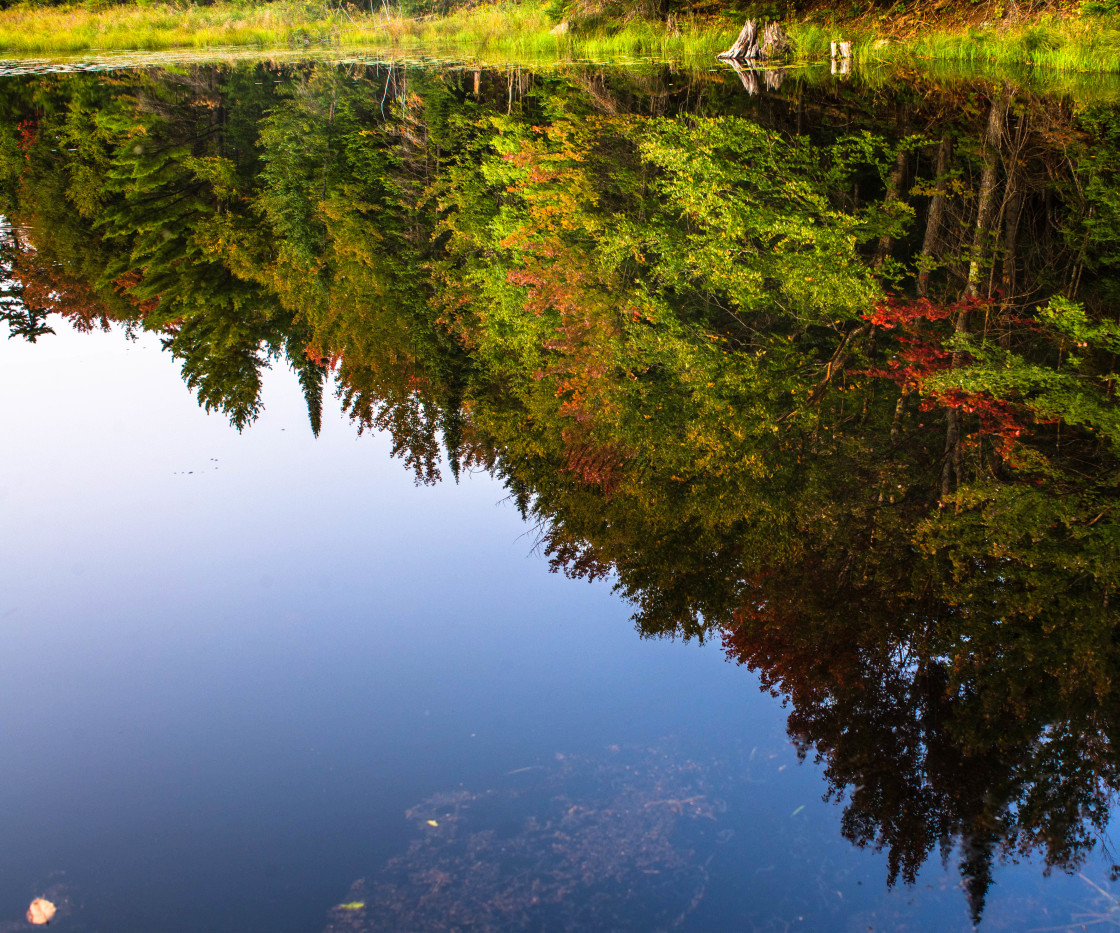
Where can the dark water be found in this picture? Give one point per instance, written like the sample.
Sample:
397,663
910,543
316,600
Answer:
801,386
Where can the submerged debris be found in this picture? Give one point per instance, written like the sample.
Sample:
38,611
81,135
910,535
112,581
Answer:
616,843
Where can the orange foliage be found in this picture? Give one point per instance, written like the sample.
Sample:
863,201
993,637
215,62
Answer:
44,287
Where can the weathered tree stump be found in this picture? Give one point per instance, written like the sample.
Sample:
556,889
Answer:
841,54
746,46
775,42
751,47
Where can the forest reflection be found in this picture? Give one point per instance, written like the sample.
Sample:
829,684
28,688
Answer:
820,370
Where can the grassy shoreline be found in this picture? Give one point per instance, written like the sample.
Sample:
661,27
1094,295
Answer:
1062,40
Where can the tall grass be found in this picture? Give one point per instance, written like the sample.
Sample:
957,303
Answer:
27,29
518,29
1073,43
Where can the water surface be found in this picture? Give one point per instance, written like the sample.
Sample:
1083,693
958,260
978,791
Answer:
320,370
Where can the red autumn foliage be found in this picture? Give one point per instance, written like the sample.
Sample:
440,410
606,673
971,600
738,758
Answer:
28,134
922,352
124,285
330,360
595,463
769,637
997,418
567,284
46,288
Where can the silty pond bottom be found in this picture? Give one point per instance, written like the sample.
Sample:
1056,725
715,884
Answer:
446,497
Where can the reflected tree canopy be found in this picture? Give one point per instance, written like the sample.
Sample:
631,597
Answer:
826,373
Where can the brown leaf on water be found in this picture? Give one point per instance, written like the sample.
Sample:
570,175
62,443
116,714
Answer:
41,911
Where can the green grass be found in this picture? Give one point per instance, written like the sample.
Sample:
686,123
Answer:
516,30
522,31
1071,43
693,42
30,30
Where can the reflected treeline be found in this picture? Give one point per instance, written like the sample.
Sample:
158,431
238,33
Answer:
826,371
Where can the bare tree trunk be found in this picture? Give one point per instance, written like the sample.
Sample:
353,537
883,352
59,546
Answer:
997,115
327,154
894,186
951,463
899,411
936,212
1012,210
1010,239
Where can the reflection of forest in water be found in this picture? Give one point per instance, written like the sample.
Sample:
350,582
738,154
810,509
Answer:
826,372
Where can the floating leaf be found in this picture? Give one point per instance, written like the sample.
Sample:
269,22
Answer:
41,911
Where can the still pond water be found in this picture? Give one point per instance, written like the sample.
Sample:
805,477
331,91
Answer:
437,498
